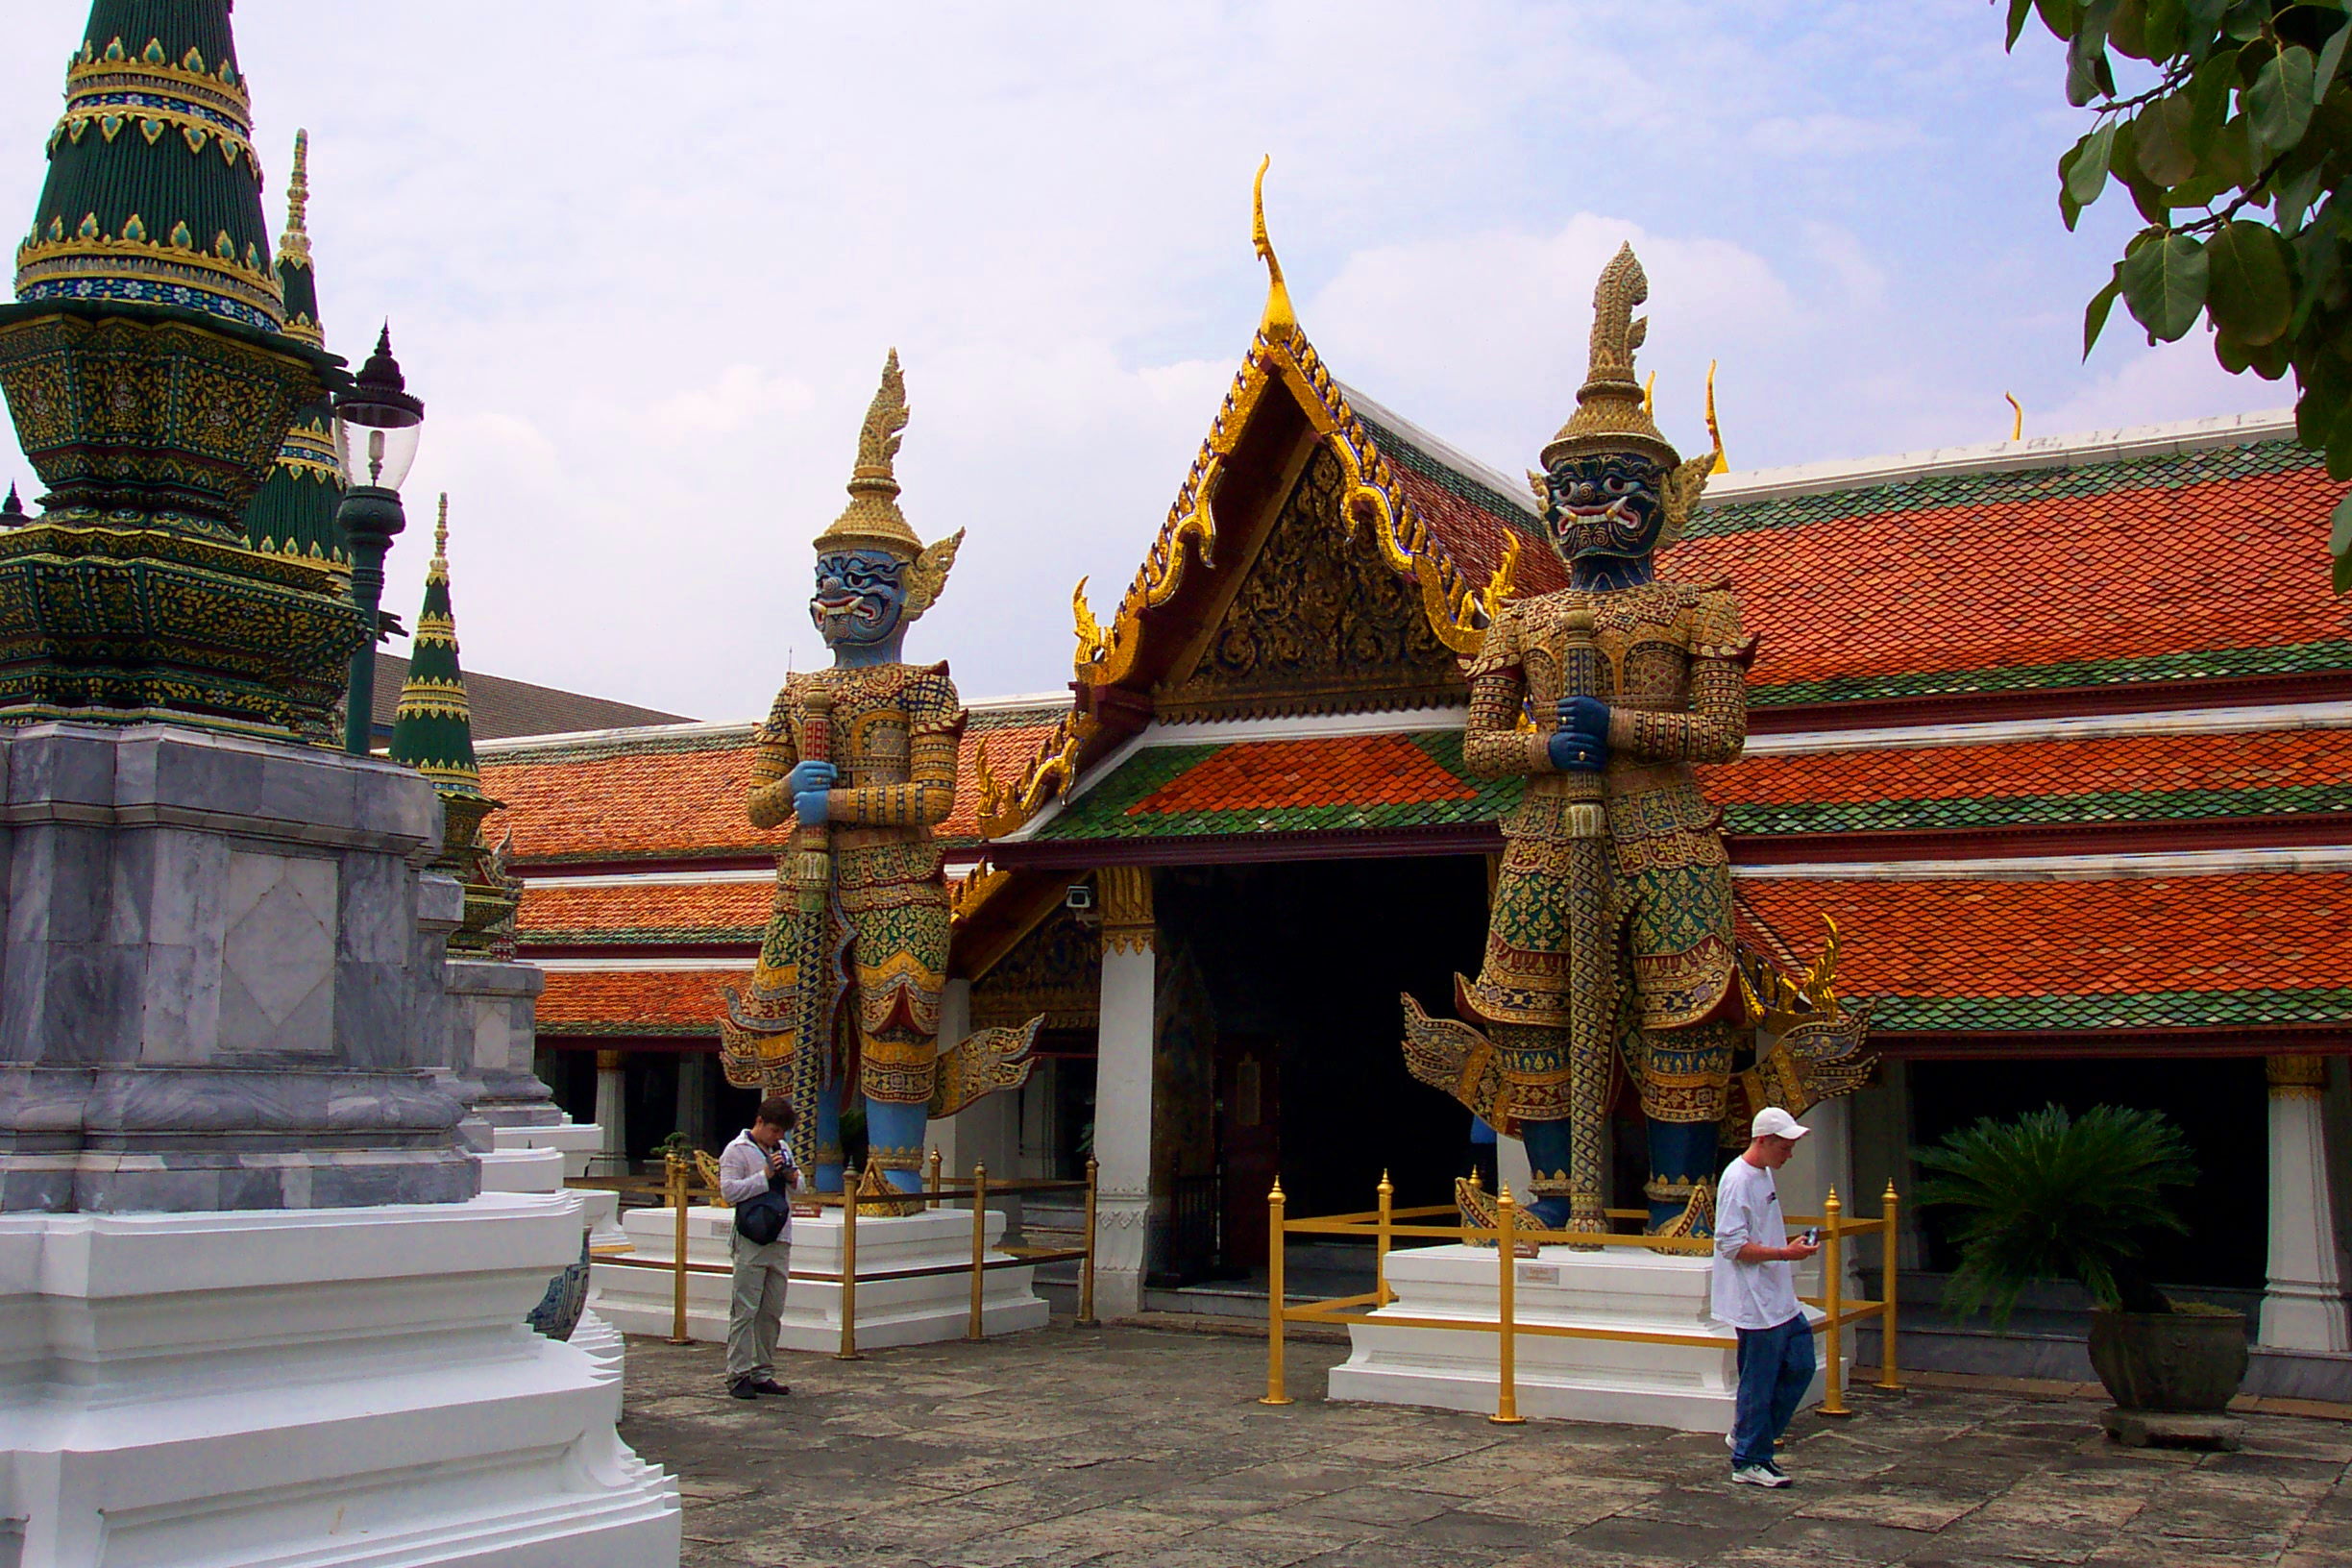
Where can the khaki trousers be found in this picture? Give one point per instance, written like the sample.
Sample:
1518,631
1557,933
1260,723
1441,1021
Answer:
758,1305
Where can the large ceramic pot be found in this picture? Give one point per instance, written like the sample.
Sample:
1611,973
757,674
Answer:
2184,1362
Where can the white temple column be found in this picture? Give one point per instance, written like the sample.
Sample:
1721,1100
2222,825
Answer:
2303,1305
612,1158
1124,1090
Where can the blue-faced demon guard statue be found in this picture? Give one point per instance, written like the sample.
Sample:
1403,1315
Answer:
1610,938
861,758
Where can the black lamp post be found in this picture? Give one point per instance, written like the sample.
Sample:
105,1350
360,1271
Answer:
378,425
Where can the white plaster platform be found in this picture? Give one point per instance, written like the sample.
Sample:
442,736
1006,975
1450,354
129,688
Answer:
320,1387
889,1311
1687,1387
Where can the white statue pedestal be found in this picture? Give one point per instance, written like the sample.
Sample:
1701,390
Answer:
895,1306
321,1385
1688,1387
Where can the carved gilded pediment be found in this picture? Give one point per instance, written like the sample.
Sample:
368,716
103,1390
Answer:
1320,623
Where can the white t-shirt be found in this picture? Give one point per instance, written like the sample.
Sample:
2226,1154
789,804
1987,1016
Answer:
1748,1208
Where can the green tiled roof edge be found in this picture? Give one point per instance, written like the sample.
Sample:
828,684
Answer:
2284,659
1398,448
1980,810
2172,472
2129,1010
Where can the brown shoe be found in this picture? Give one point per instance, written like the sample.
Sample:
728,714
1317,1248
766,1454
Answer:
768,1386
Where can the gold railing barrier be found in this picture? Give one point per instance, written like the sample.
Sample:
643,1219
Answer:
681,1185
1384,1224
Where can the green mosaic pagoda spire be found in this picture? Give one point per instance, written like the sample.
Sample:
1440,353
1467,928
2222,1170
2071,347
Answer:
432,732
152,381
294,511
154,194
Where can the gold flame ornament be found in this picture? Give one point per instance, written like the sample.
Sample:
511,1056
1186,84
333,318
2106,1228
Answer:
872,520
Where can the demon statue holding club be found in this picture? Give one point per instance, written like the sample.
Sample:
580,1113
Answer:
860,759
1610,944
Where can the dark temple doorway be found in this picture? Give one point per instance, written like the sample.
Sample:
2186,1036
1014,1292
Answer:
1300,966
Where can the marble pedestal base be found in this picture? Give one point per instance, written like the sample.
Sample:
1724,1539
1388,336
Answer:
320,1387
892,1308
1688,1387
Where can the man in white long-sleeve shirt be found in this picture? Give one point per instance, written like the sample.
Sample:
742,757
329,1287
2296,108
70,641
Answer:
757,1161
1756,1291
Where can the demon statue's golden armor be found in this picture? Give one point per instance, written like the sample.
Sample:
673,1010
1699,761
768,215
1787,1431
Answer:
860,759
1611,937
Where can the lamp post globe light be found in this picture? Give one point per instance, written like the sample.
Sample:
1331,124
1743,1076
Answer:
377,426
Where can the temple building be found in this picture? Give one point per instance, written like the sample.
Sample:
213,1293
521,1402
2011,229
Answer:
2078,812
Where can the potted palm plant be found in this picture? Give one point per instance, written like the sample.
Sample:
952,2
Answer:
2052,1196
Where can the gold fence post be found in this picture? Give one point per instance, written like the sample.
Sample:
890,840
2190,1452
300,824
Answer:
1833,1302
1086,1267
1379,1249
1274,1394
676,1170
848,1351
1507,1338
977,1328
935,1179
1890,1376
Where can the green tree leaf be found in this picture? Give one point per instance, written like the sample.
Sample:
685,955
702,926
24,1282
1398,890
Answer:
2094,318
2018,10
2249,287
2127,29
2279,104
2331,55
2087,175
2164,139
2159,32
2163,285
2339,544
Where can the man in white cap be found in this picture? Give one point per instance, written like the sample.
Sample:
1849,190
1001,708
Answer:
1755,1292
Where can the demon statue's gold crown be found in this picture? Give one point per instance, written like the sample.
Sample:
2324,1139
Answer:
1612,413
872,520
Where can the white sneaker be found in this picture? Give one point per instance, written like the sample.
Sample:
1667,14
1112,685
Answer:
1755,1474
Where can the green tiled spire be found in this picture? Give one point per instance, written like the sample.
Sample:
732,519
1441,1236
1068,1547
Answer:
294,511
154,195
432,732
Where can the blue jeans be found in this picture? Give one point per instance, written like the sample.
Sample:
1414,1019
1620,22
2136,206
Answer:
1776,1368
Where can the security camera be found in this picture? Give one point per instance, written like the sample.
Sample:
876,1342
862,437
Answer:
1078,898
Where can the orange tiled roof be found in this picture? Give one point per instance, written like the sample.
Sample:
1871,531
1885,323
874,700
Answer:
635,1002
2163,951
1274,775
2157,568
2129,777
666,796
648,912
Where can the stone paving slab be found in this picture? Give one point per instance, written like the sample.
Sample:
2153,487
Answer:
1127,1447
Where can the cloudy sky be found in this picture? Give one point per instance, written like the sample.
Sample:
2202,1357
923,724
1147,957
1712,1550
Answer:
643,257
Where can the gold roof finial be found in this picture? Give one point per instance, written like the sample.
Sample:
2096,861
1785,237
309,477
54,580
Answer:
295,243
1723,464
872,520
1611,415
2017,420
440,555
1278,316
